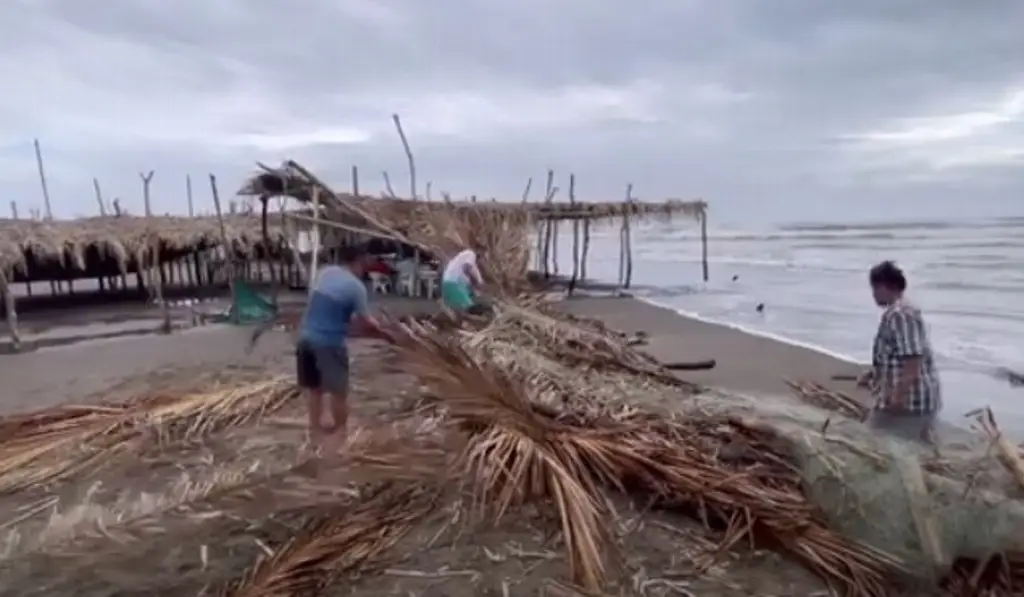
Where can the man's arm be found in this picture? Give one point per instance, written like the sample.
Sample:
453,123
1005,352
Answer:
473,272
908,336
361,313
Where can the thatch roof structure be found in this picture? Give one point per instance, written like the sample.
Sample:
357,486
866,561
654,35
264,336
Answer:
292,180
500,231
75,244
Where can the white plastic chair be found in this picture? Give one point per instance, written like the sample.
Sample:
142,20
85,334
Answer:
429,283
405,285
379,283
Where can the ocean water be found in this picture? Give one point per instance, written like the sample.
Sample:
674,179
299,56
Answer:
968,277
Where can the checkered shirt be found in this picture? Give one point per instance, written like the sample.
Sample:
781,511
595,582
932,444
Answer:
901,335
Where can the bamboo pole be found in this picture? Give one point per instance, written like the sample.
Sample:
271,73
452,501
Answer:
704,242
99,197
575,235
155,254
229,254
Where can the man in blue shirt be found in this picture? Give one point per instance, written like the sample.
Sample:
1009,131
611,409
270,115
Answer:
339,297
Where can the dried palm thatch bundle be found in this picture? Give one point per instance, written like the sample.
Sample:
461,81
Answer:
300,531
519,452
122,237
575,346
55,444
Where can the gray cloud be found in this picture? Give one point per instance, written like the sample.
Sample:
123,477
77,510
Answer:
818,110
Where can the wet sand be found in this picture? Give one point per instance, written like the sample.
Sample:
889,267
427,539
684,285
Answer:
744,362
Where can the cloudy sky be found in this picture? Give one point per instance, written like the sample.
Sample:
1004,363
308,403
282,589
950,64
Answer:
793,109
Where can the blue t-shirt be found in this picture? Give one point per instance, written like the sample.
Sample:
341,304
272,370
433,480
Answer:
337,295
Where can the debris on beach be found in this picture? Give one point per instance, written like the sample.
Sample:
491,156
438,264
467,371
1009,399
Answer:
528,451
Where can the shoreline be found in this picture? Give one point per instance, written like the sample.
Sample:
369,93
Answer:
746,362
751,364
756,332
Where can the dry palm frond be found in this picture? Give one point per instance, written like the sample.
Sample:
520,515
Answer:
59,443
520,452
515,455
818,395
123,237
340,541
205,534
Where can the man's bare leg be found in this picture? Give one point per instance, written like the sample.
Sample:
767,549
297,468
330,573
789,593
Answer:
339,412
315,409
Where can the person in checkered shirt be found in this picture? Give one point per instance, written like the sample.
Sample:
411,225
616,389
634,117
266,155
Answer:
903,379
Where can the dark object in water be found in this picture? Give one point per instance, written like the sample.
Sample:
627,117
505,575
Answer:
691,365
1015,379
736,277
760,308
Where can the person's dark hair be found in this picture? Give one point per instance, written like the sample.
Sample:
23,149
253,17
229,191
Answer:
349,254
888,275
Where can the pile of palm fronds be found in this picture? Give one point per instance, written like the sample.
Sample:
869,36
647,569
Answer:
47,446
726,471
281,533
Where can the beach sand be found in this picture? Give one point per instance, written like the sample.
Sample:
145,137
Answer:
745,363
132,366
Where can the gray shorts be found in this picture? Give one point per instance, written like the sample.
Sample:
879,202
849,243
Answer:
322,368
909,426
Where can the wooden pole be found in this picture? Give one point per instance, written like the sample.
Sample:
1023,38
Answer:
627,237
575,235
229,254
355,180
99,197
314,237
408,156
704,241
526,191
14,210
158,287
549,196
42,180
10,312
188,195
387,185
586,248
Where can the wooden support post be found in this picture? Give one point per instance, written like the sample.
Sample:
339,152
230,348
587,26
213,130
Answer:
575,235
545,250
14,210
154,248
408,157
314,239
10,312
586,248
99,197
229,253
626,241
188,195
704,241
42,179
355,180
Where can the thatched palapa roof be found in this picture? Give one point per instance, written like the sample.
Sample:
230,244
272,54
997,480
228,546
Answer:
122,238
292,180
